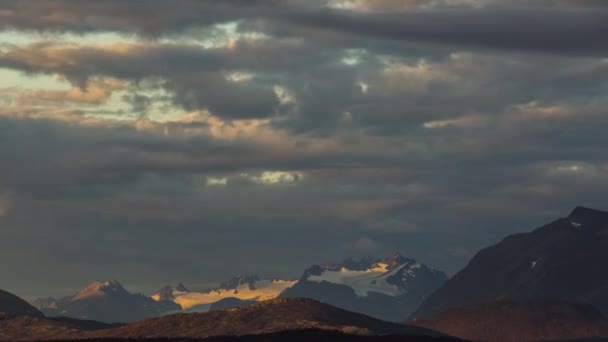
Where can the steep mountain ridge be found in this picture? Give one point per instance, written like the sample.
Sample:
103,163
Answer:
12,305
563,260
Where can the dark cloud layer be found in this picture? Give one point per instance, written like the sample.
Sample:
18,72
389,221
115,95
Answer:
576,27
308,133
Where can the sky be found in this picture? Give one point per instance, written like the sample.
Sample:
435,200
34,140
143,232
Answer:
158,142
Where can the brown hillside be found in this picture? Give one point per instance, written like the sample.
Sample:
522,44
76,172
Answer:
261,318
520,321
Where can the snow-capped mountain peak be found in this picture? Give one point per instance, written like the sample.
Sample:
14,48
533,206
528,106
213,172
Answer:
388,276
389,288
99,289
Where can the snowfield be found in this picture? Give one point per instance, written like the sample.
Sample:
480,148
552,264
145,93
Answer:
202,301
363,282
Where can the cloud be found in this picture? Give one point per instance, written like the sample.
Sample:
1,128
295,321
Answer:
490,26
95,92
267,128
363,245
187,71
4,207
463,122
275,177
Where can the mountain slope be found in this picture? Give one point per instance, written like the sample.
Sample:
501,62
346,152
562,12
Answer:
238,291
107,302
521,321
261,318
31,328
15,306
388,289
563,260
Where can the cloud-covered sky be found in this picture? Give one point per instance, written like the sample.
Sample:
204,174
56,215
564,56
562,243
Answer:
161,141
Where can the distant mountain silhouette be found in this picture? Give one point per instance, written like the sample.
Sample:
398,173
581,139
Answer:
107,302
15,306
564,260
521,321
389,289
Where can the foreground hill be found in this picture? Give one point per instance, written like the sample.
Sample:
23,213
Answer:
296,318
38,328
521,321
563,260
261,318
107,302
389,289
15,306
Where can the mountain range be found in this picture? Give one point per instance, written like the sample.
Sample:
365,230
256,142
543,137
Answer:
106,302
389,289
546,284
236,292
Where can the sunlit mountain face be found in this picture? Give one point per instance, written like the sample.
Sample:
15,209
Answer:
163,141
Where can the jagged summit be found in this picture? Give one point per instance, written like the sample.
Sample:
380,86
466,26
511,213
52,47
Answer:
169,292
367,263
99,289
396,260
181,287
588,216
388,288
236,282
106,301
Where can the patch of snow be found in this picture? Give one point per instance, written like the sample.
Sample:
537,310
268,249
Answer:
576,224
201,301
363,282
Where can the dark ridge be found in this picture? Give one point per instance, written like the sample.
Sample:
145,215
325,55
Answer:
15,306
587,216
563,260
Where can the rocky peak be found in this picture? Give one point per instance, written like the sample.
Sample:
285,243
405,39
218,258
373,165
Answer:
397,260
589,217
235,282
100,289
181,288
